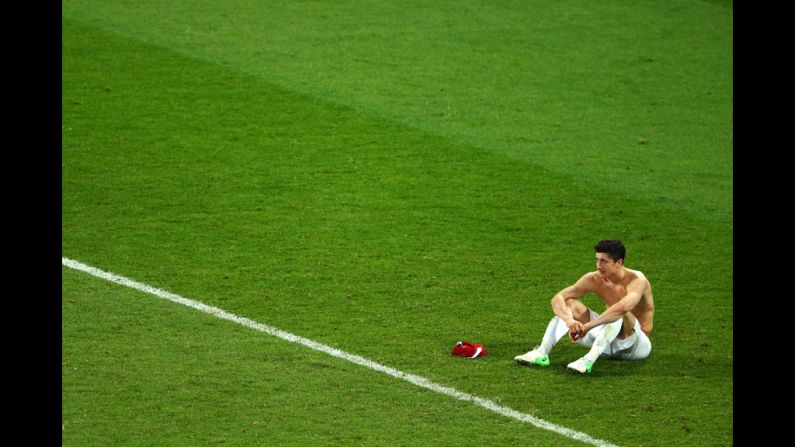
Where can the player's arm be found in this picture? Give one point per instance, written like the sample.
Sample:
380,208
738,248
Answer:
572,292
635,291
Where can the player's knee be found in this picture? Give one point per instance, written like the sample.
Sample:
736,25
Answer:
627,327
579,311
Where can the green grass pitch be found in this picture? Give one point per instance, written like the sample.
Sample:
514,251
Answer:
389,178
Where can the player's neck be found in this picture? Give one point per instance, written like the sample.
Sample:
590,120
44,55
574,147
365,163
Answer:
618,276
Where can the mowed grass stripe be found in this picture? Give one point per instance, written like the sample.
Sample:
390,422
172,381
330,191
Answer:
372,236
292,338
640,91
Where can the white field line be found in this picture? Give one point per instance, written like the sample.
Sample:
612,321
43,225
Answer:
353,358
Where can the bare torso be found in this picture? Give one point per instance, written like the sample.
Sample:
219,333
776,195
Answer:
611,292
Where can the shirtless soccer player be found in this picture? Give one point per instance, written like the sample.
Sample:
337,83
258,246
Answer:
620,332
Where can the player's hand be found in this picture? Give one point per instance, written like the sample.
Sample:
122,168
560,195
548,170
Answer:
576,330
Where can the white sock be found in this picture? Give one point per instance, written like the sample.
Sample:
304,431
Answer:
608,334
556,329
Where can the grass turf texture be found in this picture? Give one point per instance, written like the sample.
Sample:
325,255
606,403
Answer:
170,376
389,180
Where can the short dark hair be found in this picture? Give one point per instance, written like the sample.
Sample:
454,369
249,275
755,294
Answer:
612,247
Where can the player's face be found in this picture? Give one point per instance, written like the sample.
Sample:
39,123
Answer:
606,265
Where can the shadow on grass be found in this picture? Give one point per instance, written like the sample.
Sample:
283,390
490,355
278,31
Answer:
693,364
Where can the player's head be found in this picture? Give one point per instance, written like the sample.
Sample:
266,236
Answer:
613,248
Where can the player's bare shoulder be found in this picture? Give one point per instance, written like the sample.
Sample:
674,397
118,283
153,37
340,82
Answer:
635,279
590,280
636,276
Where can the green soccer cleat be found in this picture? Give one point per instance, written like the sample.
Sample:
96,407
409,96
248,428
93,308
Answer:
581,365
533,357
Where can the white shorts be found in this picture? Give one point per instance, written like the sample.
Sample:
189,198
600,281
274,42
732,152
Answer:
635,347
